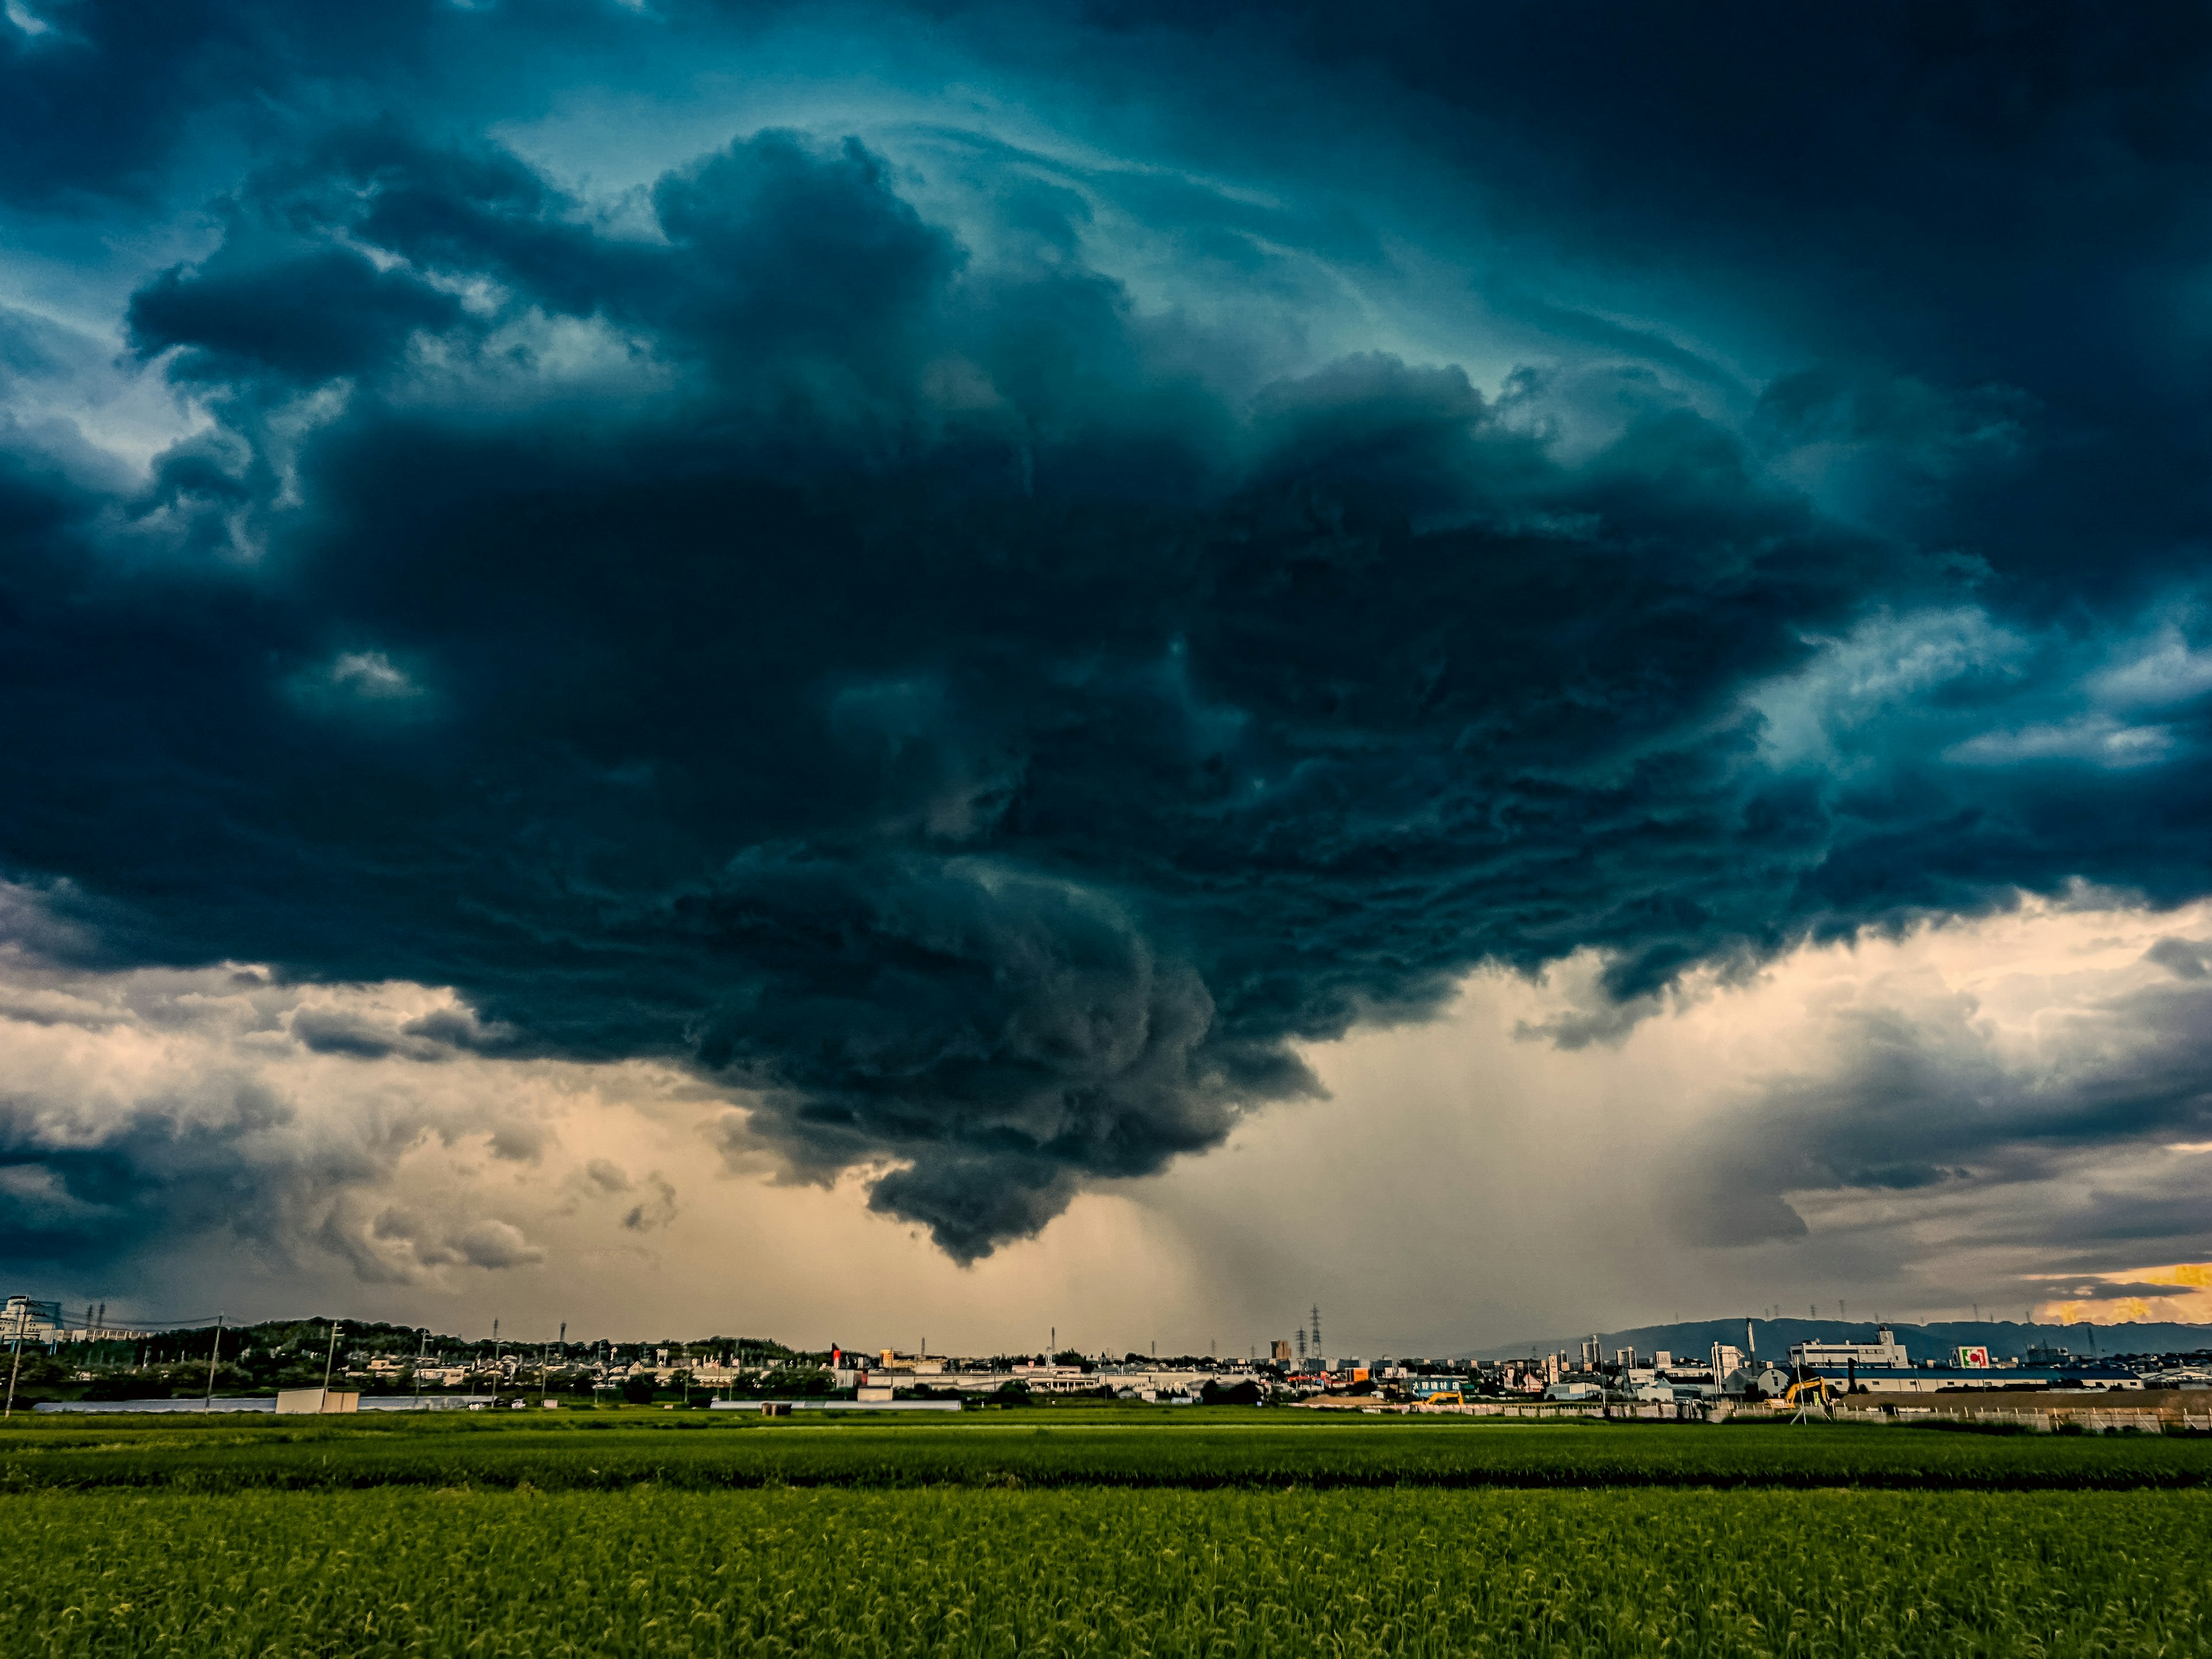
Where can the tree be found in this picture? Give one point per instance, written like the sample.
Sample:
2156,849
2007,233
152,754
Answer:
1246,1392
637,1387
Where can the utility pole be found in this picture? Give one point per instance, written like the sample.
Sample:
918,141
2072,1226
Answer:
495,1364
422,1352
22,1323
330,1360
214,1354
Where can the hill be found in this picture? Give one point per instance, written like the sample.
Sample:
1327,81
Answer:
2004,1339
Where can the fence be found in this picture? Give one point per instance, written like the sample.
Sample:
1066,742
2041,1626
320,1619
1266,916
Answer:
2170,1420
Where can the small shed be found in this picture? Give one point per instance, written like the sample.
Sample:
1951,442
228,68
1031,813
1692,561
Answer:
311,1402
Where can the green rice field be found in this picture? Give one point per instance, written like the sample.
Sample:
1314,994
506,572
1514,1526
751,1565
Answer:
1066,1531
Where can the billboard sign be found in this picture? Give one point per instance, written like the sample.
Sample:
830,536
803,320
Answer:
1972,1359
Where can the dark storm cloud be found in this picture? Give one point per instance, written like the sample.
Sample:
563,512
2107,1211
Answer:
2002,201
171,1166
923,690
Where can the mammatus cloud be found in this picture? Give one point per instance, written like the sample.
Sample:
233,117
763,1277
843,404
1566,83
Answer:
807,620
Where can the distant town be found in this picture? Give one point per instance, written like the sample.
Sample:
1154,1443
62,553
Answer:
88,1360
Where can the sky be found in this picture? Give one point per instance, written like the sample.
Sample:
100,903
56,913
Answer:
982,673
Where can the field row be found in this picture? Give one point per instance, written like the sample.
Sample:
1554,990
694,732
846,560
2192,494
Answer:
536,1576
1196,1450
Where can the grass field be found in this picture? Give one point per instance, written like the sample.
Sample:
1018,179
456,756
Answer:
1093,1532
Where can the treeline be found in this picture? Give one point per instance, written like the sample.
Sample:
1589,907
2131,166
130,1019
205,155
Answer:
269,1355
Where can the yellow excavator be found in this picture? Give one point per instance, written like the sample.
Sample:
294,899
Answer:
1808,1393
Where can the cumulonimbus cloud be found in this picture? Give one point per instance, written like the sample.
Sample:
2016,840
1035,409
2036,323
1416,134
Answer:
889,669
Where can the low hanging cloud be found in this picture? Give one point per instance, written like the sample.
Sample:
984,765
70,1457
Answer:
296,1126
2043,1089
828,627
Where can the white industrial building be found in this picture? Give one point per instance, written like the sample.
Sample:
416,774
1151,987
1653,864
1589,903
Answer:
1885,1350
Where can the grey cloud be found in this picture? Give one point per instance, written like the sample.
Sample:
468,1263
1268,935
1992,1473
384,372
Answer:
656,1211
1916,1100
184,1161
1727,1215
239,1138
520,1143
605,1175
341,1034
2182,957
432,1036
492,1243
405,1241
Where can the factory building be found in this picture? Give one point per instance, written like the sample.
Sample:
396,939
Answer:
1884,1352
1935,1379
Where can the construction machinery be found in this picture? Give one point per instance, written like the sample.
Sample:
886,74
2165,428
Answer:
1809,1394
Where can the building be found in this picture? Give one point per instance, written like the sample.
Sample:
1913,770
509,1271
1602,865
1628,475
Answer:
1046,1378
31,1322
1884,1350
1935,1379
1760,1382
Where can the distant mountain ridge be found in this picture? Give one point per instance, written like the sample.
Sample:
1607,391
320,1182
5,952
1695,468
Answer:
1772,1338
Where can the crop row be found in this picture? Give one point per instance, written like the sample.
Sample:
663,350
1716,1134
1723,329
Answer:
982,1573
1251,1450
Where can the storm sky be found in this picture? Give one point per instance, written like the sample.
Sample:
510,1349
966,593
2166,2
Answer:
1110,667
